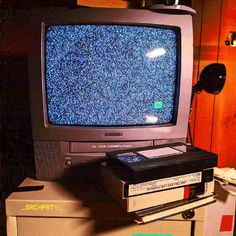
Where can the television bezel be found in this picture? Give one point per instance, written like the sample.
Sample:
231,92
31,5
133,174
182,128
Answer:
44,131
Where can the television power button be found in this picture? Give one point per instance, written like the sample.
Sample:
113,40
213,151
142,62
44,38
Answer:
68,163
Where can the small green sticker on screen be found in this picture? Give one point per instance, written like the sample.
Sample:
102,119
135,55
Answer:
152,235
159,105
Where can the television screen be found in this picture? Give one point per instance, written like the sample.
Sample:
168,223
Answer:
111,75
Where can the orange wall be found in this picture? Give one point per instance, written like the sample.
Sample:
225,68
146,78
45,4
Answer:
213,122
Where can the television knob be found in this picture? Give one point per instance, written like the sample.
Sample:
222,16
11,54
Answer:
68,163
187,215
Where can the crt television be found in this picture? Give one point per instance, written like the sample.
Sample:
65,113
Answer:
107,79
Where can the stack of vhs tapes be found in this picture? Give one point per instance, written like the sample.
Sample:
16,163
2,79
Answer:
160,181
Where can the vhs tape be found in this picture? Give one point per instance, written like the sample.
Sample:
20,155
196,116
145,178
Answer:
162,161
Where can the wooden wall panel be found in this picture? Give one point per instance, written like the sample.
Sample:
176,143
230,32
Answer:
204,103
224,132
214,120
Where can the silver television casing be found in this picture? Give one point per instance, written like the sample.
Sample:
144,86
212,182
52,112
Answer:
58,148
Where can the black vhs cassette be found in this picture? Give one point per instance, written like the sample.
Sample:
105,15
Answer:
143,164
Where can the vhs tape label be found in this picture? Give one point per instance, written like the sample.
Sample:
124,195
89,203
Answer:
165,183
